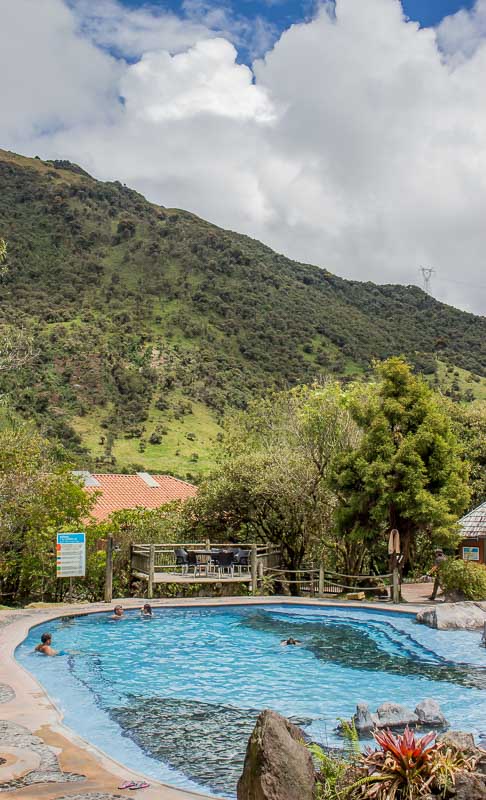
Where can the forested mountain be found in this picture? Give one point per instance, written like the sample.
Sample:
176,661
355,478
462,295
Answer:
148,322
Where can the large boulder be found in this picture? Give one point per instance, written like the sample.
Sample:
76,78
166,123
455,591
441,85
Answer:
430,714
454,616
363,719
277,764
393,715
458,740
469,787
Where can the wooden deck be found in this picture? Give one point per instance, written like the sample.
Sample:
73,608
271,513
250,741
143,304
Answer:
177,577
156,564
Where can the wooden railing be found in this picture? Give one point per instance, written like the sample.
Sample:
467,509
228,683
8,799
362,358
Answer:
264,562
318,581
149,560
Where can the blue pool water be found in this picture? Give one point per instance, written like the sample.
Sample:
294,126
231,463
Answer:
175,697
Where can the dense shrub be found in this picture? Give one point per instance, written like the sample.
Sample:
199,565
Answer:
464,578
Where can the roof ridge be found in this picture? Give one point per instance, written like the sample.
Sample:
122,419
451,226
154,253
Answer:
473,511
172,477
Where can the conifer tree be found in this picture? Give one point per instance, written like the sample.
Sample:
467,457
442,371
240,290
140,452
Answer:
407,472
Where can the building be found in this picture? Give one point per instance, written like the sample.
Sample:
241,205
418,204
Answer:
119,492
473,531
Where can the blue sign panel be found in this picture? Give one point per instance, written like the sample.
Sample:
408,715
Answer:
71,555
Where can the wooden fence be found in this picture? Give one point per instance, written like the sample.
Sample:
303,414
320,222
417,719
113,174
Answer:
158,563
319,581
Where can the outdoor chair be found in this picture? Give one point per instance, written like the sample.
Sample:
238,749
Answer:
192,561
181,557
242,560
225,561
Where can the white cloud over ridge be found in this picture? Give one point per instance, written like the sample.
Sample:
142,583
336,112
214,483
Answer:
358,143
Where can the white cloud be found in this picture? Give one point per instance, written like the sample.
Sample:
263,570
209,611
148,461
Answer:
133,32
50,77
357,143
204,79
461,34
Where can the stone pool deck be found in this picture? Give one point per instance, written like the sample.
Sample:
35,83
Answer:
44,759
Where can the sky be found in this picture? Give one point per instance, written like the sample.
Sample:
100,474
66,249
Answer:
350,134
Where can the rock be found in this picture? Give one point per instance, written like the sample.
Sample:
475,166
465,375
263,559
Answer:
454,616
355,596
458,740
430,713
363,720
469,787
393,715
464,743
277,765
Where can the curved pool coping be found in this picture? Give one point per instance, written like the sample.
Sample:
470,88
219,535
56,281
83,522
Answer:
34,709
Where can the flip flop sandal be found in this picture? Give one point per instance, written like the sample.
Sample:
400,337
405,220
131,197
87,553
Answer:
127,785
141,785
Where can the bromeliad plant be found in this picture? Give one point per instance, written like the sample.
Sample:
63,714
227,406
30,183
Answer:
406,768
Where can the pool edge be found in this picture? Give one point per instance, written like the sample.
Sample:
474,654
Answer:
34,709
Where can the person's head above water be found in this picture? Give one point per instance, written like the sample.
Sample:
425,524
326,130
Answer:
46,638
147,609
118,611
290,640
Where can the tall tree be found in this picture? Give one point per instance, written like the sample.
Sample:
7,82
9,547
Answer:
407,472
273,484
469,424
38,496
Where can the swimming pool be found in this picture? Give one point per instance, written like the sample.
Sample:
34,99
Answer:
176,697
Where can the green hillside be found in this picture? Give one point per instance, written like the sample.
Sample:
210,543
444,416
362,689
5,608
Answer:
149,323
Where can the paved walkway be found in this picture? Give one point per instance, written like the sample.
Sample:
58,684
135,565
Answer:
43,759
420,593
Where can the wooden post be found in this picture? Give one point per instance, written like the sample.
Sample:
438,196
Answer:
109,570
321,579
312,589
150,582
260,571
396,585
254,569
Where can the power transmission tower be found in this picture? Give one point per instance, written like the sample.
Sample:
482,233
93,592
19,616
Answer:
427,273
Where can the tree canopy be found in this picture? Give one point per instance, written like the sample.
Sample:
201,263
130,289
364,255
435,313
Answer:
273,482
407,472
39,496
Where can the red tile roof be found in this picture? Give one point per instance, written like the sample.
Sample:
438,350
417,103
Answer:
120,492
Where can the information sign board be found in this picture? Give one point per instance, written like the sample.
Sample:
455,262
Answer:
71,555
470,553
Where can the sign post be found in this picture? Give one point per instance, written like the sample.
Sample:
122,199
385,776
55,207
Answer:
71,557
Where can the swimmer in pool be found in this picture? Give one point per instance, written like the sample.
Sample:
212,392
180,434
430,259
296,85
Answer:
289,641
117,613
45,646
146,611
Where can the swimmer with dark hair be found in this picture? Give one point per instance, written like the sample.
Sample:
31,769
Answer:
146,611
45,646
289,641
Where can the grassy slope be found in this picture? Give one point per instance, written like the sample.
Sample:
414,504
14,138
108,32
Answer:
136,309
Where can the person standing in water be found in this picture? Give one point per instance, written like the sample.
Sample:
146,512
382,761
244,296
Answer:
146,611
117,613
45,646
